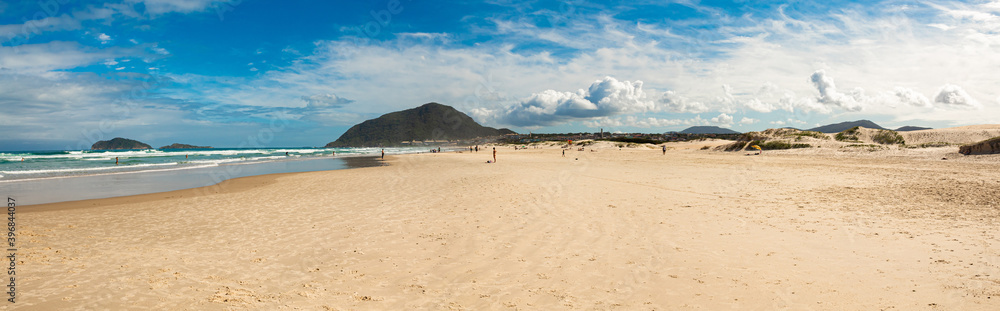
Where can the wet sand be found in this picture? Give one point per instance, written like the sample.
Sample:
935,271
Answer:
630,229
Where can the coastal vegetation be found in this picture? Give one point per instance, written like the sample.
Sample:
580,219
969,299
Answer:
849,135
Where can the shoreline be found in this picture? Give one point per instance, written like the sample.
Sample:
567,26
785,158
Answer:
595,229
236,184
74,188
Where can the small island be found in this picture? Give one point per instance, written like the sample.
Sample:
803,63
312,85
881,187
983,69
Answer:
119,143
184,146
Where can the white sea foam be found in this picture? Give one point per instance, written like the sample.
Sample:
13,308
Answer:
86,169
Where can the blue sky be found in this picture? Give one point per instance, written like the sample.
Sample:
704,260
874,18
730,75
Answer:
232,73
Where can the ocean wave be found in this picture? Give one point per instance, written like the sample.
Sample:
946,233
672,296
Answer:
86,169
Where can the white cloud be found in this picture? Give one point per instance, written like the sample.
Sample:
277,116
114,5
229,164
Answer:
911,97
941,26
723,120
104,38
672,102
643,122
828,94
758,106
21,33
606,97
45,57
159,50
954,96
325,101
747,121
160,7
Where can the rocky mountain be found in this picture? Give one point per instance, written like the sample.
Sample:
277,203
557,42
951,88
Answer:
119,143
708,130
184,146
843,126
431,121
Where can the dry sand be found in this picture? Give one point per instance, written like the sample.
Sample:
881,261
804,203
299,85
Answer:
623,229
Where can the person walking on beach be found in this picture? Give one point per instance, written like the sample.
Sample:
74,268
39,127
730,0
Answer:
494,154
664,149
564,153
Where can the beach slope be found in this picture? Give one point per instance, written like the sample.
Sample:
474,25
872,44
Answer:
628,229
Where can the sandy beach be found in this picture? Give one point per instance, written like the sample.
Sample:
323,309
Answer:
628,229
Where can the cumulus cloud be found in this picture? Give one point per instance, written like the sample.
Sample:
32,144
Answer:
633,121
911,97
828,94
607,97
325,101
758,106
746,120
672,102
954,96
644,122
105,38
723,120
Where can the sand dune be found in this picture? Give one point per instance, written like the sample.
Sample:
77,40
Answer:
956,135
626,229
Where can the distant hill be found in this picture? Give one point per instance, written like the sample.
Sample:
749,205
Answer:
119,143
843,126
708,130
184,146
431,121
912,128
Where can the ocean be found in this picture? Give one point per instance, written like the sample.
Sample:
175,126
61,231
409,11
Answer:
37,177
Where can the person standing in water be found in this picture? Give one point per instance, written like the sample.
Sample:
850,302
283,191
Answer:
383,154
116,160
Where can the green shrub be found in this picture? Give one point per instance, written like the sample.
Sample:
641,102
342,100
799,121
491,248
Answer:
812,134
887,137
849,135
778,145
